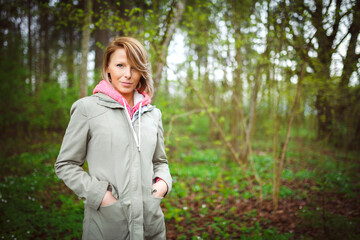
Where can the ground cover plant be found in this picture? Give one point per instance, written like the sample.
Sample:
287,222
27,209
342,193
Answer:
260,105
210,198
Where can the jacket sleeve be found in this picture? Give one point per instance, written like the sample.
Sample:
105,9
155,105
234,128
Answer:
68,166
160,162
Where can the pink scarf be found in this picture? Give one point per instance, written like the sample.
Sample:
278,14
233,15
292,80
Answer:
109,90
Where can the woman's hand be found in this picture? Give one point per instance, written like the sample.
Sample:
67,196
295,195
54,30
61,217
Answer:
161,189
108,199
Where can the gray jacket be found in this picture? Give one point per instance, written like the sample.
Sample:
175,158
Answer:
121,154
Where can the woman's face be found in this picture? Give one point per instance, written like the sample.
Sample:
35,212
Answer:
123,76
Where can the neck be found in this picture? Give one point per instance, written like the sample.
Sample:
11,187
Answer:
130,99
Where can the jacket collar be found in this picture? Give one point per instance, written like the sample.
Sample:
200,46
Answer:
106,101
140,99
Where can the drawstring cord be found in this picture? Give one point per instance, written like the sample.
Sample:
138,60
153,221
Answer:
137,140
139,126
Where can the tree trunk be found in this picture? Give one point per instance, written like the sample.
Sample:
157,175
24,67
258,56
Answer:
345,98
101,36
279,165
70,58
351,58
324,115
30,57
85,41
164,45
252,113
44,42
321,67
222,134
237,93
37,61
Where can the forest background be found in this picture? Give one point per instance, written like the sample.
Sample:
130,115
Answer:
260,102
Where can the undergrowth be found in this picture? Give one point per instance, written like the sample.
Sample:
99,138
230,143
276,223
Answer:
210,199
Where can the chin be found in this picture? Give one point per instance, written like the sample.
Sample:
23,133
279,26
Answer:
126,91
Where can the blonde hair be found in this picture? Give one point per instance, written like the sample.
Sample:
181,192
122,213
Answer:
138,58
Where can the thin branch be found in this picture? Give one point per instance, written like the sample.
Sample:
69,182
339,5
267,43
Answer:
222,134
168,21
281,163
308,9
174,117
169,32
335,49
337,21
297,97
327,8
247,136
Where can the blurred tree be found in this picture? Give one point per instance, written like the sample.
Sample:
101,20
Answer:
85,45
328,20
44,36
238,16
246,57
101,36
347,99
161,48
29,42
201,17
242,57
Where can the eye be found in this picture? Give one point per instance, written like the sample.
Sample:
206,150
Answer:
120,65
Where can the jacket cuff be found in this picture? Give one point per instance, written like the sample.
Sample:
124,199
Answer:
158,179
96,194
167,181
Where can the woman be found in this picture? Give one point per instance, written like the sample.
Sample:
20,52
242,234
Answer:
120,135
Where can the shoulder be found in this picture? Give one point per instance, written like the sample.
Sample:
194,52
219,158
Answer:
83,103
155,112
158,112
88,107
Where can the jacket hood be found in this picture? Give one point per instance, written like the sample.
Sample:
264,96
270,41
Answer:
140,99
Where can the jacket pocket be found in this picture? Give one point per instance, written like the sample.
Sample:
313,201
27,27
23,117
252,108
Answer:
154,224
110,222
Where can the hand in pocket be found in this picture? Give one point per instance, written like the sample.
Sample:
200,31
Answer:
108,199
161,189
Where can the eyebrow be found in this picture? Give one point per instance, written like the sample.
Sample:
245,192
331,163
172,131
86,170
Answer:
120,62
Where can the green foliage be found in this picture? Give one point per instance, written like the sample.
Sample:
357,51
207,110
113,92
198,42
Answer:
177,121
330,226
304,174
206,156
47,110
337,181
205,191
50,108
13,88
219,36
23,109
28,203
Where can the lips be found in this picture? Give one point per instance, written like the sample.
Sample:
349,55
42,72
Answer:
126,84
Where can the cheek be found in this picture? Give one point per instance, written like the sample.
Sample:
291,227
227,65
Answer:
137,76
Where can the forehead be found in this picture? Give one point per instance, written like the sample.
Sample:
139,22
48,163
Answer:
119,55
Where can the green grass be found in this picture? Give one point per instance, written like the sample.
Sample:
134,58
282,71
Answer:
207,192
31,201
333,226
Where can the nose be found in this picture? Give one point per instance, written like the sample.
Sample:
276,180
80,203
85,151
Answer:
127,72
